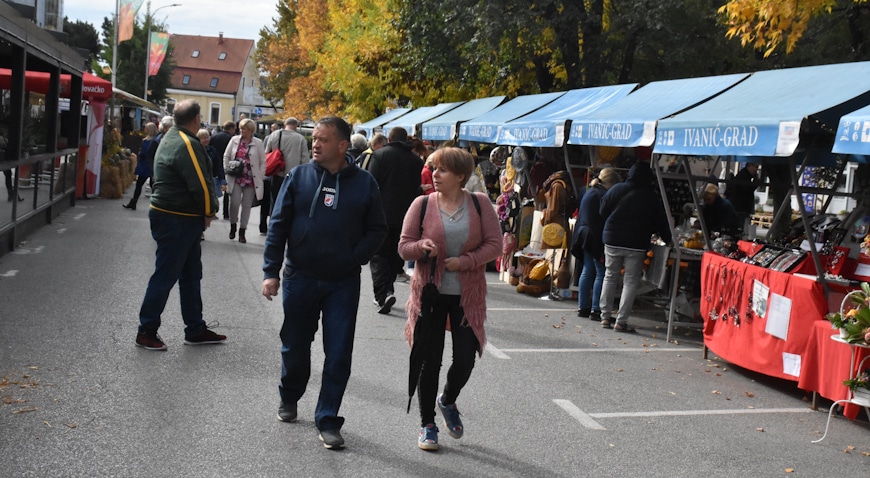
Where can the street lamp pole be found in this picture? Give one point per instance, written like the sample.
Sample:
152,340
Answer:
149,20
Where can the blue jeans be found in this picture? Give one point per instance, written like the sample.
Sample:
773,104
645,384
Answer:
616,258
591,280
305,301
178,259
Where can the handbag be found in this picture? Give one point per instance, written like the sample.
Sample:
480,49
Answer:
235,168
275,159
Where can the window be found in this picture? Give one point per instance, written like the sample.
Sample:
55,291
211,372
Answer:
185,80
195,54
214,82
222,56
215,116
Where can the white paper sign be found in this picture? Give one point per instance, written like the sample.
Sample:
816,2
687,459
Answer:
791,364
862,270
778,316
759,298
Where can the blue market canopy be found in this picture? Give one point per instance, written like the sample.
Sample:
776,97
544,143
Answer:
853,134
631,121
768,113
545,127
370,125
485,128
420,115
444,127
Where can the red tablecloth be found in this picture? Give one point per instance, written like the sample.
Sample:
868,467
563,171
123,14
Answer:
748,345
826,364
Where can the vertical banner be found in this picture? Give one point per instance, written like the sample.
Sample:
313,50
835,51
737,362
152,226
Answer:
159,44
126,17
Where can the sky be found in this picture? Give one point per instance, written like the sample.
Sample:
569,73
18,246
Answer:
235,18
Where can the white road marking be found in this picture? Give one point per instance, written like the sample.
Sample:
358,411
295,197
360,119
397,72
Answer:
516,309
79,216
496,352
645,349
9,273
588,419
579,415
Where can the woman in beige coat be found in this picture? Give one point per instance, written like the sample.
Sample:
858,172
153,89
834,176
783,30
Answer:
243,188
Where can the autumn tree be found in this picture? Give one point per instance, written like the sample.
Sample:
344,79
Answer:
766,24
83,35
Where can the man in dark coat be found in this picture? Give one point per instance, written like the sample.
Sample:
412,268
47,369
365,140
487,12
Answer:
397,170
219,142
632,212
740,191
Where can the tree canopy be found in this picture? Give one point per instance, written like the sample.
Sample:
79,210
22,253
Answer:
356,58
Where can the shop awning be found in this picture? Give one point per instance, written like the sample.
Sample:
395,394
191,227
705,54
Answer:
485,128
853,133
545,127
768,113
445,127
370,125
142,103
94,88
631,121
418,116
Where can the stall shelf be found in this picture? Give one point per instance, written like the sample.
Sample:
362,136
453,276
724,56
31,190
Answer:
855,369
748,341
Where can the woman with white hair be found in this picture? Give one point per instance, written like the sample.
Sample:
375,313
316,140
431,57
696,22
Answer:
243,187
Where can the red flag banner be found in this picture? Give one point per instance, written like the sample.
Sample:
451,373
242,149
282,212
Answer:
159,46
126,17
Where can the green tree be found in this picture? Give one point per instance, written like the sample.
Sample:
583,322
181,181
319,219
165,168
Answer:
132,55
83,35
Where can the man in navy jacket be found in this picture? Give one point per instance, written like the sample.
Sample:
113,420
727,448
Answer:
328,221
632,212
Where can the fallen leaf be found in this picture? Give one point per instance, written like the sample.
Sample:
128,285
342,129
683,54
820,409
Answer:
849,449
865,453
717,392
708,370
25,410
620,370
546,315
676,342
71,425
760,430
677,371
751,407
718,374
673,393
789,470
750,394
557,326
33,367
47,424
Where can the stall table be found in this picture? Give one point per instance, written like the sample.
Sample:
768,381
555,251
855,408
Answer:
727,283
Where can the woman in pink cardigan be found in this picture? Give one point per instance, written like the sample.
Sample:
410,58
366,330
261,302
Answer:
461,234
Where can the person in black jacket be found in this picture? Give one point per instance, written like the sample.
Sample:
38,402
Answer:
590,245
632,212
740,191
397,170
219,142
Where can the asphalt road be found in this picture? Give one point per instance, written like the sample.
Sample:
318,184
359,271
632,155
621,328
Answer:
553,395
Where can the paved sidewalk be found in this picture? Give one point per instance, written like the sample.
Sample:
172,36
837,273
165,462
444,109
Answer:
77,398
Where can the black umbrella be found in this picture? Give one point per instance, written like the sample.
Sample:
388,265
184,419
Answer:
423,330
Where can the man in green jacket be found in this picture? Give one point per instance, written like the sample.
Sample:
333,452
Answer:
183,204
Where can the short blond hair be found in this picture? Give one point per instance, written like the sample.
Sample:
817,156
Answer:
455,160
203,134
247,124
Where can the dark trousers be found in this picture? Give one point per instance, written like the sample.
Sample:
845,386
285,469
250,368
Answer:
140,181
277,182
226,206
178,259
266,205
307,301
465,346
386,264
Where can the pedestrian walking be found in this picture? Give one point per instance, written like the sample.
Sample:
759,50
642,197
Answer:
183,204
328,221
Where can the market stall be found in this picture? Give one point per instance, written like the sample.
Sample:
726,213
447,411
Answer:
374,124
415,118
782,116
446,126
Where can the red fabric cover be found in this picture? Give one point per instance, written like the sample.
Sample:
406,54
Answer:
749,248
825,365
749,346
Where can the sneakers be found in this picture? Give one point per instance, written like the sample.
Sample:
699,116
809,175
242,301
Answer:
150,341
207,337
428,437
595,315
287,412
450,414
331,439
387,305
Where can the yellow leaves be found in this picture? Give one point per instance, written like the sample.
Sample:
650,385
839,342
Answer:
764,23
